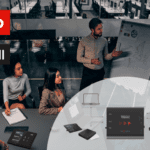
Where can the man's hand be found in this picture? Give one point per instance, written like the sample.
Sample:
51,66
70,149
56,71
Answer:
20,98
95,61
7,111
116,53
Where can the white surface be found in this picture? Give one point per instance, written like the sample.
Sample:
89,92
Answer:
79,17
122,17
111,95
62,17
35,49
132,84
96,136
15,116
59,4
13,50
137,61
137,3
110,9
73,111
59,9
16,10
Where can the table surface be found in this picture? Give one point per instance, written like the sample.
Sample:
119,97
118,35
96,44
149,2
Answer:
29,6
37,123
62,17
60,4
110,95
111,10
137,3
124,17
59,8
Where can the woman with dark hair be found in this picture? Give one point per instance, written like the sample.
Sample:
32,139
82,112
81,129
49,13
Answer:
13,85
53,96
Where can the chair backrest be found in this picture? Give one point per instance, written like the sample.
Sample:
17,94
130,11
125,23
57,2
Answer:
40,89
84,16
46,8
1,99
11,6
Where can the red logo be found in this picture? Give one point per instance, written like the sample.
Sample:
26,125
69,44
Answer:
4,22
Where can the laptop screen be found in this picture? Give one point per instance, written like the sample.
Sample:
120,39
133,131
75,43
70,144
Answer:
91,98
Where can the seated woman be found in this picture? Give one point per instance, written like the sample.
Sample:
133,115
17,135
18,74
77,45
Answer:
13,85
53,96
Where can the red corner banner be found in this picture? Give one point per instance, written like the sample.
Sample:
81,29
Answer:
4,22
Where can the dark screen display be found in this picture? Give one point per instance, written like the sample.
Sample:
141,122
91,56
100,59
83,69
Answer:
125,121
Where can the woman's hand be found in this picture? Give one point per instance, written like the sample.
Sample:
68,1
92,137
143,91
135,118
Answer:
7,111
20,98
24,96
59,109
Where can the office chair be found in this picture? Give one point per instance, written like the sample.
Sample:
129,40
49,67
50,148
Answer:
131,15
11,6
80,8
84,16
48,13
40,89
1,99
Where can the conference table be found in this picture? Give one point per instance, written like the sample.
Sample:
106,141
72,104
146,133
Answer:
40,124
126,92
29,7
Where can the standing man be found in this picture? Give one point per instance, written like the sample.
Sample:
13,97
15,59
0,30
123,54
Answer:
90,53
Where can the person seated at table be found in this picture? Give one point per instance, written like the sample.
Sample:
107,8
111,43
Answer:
13,85
3,146
53,95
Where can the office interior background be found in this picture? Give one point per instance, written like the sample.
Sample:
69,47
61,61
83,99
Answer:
77,9
40,47
44,53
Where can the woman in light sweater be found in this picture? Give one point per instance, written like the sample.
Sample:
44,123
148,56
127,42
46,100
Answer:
13,85
53,95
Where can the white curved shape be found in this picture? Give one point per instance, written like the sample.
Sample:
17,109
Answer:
116,92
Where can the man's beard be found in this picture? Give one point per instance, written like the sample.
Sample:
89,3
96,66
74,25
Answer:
97,35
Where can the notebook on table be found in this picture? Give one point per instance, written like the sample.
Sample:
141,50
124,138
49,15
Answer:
15,116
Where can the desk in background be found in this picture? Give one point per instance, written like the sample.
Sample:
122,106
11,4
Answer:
29,6
60,9
37,123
